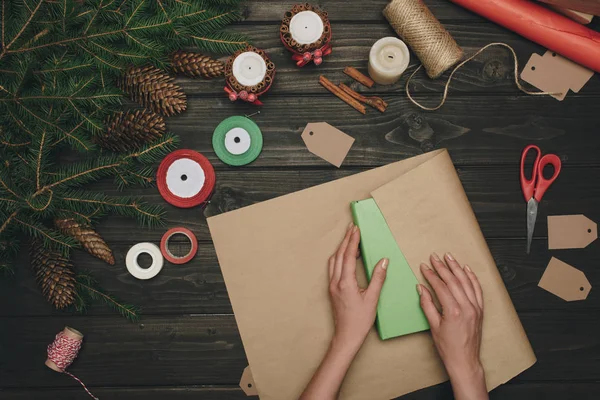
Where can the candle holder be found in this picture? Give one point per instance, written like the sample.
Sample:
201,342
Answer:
249,73
306,32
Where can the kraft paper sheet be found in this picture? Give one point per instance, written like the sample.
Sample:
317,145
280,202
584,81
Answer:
274,254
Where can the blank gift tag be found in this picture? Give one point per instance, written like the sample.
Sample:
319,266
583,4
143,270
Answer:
564,281
247,383
327,142
570,231
555,74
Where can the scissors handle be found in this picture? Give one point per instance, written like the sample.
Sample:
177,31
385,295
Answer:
528,185
542,183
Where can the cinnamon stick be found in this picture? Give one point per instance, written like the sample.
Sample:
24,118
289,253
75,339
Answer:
373,101
359,76
345,97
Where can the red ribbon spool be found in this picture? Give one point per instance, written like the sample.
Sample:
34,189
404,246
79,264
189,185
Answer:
197,199
164,245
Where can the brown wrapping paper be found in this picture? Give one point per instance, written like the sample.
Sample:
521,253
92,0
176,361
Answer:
273,256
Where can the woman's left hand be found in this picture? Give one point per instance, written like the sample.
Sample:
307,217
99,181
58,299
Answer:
354,309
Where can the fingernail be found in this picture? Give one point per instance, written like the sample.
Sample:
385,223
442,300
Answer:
419,289
384,264
435,257
355,229
468,268
350,225
425,266
449,256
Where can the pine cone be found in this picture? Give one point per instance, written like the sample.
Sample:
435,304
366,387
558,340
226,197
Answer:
131,130
91,241
54,275
154,89
196,64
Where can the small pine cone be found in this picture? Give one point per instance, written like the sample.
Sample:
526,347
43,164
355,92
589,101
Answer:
130,130
154,89
91,241
54,275
196,64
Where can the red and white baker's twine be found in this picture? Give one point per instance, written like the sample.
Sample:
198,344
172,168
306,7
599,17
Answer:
62,351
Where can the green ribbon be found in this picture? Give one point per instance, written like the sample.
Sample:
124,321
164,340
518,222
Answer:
256,141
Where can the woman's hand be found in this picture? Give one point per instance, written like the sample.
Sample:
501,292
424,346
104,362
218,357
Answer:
354,309
456,331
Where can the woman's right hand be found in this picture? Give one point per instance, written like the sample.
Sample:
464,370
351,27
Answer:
456,331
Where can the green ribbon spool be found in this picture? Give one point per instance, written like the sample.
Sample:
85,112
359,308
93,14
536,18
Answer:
237,141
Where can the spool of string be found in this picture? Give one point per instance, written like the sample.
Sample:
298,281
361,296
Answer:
425,35
63,351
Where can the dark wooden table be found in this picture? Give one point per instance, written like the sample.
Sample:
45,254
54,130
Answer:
187,344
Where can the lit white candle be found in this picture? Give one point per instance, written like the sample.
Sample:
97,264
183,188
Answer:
306,27
249,68
388,59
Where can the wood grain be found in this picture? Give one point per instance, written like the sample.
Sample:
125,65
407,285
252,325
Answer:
524,391
198,287
206,349
490,73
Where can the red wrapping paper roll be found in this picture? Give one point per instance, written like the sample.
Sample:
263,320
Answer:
542,26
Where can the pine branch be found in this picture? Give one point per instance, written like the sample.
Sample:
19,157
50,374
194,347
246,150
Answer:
87,286
50,238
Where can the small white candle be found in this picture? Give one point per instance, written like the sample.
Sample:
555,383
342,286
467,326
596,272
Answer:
388,59
249,68
306,27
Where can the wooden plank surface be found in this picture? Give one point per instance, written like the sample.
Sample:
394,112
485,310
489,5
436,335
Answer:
206,349
187,344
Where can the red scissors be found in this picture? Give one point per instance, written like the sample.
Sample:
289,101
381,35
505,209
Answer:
534,188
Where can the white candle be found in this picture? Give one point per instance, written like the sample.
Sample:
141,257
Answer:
249,68
388,59
306,27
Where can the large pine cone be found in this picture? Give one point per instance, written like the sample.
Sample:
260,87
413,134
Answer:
91,241
196,64
154,89
131,130
54,275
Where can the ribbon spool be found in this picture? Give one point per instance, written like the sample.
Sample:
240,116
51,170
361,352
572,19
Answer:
164,245
63,351
305,31
185,178
237,141
249,73
134,268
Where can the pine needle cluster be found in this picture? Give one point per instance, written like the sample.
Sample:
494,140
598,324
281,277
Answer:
59,64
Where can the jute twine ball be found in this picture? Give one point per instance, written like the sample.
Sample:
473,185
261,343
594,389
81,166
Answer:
426,36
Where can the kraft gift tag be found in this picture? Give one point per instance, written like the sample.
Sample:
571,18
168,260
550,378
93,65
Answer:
565,281
247,383
571,231
327,142
555,74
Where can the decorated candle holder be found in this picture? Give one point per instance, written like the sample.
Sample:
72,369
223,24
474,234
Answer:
249,73
305,31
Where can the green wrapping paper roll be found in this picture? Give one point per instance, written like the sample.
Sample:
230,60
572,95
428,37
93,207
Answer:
237,141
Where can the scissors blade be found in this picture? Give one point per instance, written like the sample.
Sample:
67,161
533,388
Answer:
532,209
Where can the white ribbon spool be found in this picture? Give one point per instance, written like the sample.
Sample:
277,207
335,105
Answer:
388,59
131,260
306,27
185,178
237,141
249,68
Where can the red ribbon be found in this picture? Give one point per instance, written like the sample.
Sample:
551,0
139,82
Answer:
315,56
243,95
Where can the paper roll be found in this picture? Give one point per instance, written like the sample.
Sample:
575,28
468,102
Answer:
388,59
542,26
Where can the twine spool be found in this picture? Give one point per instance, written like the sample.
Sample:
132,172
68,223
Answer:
425,35
63,351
